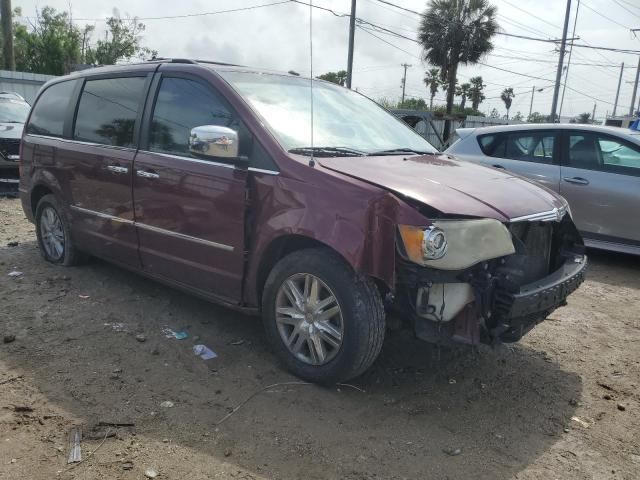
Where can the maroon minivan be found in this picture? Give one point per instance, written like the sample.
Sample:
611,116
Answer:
211,178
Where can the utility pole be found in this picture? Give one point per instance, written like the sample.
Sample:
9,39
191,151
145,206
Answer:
404,79
533,91
352,33
635,89
615,105
593,115
6,20
563,44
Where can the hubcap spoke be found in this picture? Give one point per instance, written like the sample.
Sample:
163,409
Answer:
52,233
328,314
294,294
316,348
330,334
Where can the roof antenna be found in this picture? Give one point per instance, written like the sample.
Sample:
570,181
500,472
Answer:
312,162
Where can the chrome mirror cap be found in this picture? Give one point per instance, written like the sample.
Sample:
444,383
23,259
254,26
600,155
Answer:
213,141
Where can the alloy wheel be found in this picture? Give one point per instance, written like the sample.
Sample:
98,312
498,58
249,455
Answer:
52,233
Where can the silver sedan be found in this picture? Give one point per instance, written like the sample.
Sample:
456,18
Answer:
597,169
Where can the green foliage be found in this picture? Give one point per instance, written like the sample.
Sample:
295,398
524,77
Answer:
121,43
475,92
463,92
453,32
518,116
433,80
537,117
386,103
52,44
494,113
507,97
339,77
413,104
582,118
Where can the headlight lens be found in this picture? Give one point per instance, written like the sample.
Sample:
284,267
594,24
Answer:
456,244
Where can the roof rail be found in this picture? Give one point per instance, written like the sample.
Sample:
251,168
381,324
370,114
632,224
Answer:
192,61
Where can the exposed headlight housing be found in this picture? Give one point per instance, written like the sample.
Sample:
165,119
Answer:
456,244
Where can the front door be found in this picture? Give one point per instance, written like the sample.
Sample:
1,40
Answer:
189,211
601,181
98,166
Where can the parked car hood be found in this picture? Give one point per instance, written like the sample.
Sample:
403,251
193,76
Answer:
11,130
450,185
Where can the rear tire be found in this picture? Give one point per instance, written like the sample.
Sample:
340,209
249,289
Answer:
54,234
335,332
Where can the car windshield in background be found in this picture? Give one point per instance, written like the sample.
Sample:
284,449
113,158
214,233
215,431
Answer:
345,123
13,111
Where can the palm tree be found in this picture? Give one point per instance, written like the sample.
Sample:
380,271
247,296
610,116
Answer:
507,97
453,32
475,93
432,81
463,92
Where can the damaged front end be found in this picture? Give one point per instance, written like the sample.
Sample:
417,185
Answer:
478,281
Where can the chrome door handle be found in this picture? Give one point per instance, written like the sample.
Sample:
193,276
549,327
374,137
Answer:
117,169
576,180
144,174
497,166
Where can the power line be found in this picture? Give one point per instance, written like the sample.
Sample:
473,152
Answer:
399,7
605,17
531,14
632,13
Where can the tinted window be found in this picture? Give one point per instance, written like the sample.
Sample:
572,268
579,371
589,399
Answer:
523,146
181,105
108,109
602,152
49,111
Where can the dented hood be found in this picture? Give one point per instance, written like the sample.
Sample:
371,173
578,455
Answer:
449,185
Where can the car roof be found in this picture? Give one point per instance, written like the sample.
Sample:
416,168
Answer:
558,126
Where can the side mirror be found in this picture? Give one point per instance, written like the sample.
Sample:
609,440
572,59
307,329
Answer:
214,141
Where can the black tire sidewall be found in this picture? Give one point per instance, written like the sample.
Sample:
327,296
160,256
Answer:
69,256
346,286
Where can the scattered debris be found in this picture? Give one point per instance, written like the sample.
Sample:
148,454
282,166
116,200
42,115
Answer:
452,451
565,429
150,473
75,453
84,297
621,407
12,379
9,338
116,424
237,342
22,409
127,466
14,273
227,452
12,244
141,338
573,402
452,381
177,335
204,352
117,370
606,387
167,404
607,396
117,326
581,422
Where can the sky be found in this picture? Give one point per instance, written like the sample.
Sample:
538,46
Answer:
278,37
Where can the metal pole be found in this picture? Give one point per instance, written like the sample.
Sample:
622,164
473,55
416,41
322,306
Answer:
7,35
615,105
352,33
563,44
566,75
404,80
533,90
593,115
635,89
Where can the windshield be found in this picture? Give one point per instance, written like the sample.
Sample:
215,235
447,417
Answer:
13,111
344,122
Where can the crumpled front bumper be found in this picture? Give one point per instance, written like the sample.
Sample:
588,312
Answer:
519,312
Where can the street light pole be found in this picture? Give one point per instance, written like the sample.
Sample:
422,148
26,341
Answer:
615,105
635,89
404,79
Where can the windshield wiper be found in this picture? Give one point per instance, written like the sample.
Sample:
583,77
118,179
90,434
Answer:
396,151
328,151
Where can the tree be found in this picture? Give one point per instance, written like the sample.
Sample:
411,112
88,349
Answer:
494,113
475,92
453,32
339,77
463,92
51,45
386,103
507,97
413,104
537,117
122,42
518,116
432,81
584,118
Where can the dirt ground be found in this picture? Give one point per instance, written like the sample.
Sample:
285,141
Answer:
562,404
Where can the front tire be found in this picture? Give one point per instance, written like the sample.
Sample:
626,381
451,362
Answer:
54,234
325,322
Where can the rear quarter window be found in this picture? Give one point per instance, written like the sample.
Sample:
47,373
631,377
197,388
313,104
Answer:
48,115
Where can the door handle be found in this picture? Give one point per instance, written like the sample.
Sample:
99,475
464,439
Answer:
117,169
147,174
498,166
576,180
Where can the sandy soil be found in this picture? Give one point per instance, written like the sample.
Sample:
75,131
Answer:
562,404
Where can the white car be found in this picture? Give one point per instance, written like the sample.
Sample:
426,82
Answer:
596,168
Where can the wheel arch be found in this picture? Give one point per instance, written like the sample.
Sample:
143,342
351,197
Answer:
37,193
